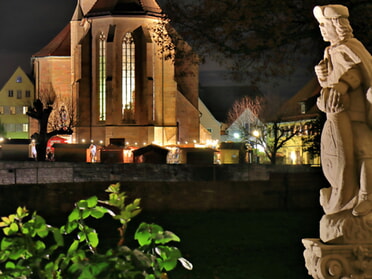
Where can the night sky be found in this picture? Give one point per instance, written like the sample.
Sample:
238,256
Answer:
25,27
28,25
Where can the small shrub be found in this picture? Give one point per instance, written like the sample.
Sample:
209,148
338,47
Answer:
30,248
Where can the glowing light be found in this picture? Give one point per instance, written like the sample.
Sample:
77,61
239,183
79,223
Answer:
83,140
293,156
256,133
236,135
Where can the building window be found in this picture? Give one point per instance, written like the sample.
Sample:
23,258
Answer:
25,127
19,94
10,93
28,93
128,78
10,127
1,110
12,110
24,109
19,79
303,107
102,77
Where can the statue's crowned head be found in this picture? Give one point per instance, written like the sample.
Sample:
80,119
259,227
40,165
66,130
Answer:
330,12
334,20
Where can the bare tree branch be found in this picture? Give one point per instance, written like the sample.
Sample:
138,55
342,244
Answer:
41,111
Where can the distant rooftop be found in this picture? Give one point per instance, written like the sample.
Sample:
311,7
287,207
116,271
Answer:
306,97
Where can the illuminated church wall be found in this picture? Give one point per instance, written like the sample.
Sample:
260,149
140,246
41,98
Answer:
120,85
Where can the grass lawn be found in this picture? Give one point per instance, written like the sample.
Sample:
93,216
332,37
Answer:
232,244
240,244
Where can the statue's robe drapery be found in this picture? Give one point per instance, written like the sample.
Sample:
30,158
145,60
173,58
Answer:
341,133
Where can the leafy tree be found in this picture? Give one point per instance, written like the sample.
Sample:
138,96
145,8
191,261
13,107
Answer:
31,248
41,111
260,39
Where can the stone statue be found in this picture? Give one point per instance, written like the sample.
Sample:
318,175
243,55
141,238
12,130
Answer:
345,74
344,249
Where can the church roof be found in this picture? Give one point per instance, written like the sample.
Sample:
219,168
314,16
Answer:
78,13
125,7
59,46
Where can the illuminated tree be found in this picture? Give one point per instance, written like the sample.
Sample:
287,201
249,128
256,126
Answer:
62,116
41,111
273,136
263,122
244,116
260,39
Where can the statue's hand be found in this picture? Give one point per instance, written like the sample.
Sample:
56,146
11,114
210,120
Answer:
321,70
332,101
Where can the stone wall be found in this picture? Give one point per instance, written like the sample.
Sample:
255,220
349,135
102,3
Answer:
52,187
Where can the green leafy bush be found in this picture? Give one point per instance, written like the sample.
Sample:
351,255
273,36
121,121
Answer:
30,248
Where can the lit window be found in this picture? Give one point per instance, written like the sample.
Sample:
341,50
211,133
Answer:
10,93
28,93
303,107
24,109
19,79
128,78
1,110
25,128
102,77
19,94
12,110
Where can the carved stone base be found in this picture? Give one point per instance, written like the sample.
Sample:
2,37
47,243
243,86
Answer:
331,261
344,228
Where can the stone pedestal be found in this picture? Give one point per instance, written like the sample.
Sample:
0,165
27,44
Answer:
337,261
344,249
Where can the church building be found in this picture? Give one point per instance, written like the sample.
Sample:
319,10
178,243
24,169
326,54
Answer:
114,73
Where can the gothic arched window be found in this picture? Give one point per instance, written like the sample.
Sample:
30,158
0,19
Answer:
128,77
102,77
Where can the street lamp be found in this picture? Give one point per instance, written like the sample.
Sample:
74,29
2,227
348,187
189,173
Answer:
256,134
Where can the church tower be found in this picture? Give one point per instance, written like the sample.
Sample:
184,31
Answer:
121,84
